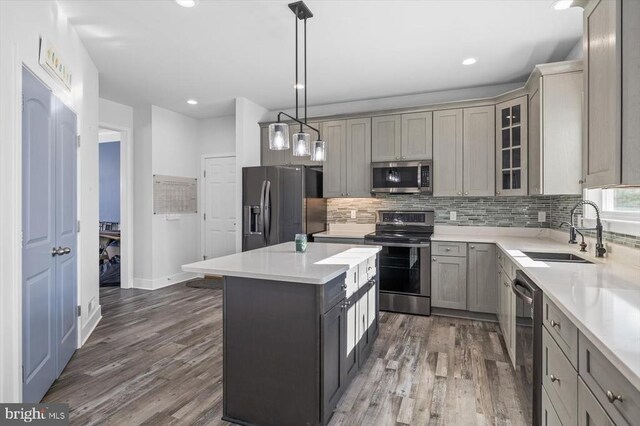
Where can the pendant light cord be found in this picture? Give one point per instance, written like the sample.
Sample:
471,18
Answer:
305,70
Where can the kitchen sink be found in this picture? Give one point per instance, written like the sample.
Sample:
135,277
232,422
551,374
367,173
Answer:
555,257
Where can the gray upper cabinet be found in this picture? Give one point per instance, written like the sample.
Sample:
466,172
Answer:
447,152
611,139
482,287
555,129
334,168
358,158
417,136
402,137
449,282
386,138
347,170
478,148
511,147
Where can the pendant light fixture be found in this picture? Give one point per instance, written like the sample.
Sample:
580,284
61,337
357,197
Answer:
279,131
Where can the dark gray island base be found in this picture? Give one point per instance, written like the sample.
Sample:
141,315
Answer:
291,349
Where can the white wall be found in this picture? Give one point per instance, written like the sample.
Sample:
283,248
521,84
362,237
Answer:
142,195
217,135
175,152
406,101
21,24
248,115
115,114
576,52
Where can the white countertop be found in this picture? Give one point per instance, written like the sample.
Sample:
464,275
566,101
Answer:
602,299
282,263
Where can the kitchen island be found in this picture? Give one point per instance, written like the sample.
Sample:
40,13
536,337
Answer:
296,329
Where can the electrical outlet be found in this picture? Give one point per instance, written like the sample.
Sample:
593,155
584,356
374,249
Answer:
453,216
542,216
353,214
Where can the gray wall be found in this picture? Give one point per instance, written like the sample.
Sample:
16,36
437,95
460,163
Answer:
471,211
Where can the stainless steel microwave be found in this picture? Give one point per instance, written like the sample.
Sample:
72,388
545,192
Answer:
402,177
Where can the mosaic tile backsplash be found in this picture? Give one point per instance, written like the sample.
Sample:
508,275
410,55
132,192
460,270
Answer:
519,212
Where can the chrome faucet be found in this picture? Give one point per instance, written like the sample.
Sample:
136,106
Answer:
600,250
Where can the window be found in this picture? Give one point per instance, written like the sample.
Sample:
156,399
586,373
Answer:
620,207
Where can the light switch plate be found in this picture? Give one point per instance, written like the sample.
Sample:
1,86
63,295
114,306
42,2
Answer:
542,216
453,216
353,214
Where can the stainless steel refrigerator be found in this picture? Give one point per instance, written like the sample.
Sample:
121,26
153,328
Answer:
280,202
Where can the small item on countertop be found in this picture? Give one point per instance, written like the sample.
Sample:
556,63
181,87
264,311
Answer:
301,243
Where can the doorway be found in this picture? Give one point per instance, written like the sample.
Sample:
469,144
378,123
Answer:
219,211
110,205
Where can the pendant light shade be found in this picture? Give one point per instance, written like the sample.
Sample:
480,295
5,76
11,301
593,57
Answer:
319,151
278,136
301,144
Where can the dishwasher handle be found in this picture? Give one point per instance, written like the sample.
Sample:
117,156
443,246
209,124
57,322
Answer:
519,288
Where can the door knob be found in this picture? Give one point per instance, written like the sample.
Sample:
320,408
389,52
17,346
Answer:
57,251
66,250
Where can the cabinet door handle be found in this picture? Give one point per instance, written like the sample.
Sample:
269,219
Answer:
553,378
459,193
448,249
466,193
344,286
554,324
498,192
472,247
434,259
613,397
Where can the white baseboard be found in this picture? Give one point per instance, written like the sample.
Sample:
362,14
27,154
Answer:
157,283
92,323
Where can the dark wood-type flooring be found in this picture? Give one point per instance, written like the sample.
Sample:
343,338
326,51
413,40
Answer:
156,358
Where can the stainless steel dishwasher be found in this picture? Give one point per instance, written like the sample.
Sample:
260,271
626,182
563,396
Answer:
529,344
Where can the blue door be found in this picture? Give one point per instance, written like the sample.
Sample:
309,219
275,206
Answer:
49,227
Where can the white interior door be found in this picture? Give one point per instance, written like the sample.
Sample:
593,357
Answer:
219,206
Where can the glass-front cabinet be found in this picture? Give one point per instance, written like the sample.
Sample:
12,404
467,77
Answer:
511,147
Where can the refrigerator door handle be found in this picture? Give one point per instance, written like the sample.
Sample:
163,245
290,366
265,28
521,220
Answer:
261,221
267,211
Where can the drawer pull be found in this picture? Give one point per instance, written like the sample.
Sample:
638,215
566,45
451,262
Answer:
553,378
344,286
448,249
613,398
554,324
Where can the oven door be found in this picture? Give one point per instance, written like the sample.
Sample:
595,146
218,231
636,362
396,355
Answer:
401,177
405,269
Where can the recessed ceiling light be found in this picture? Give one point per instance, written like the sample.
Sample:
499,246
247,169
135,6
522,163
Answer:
187,3
192,102
469,61
562,4
298,86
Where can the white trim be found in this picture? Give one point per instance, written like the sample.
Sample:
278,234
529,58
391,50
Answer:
157,283
203,194
614,225
92,323
126,202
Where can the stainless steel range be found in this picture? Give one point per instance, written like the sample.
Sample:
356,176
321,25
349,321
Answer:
405,266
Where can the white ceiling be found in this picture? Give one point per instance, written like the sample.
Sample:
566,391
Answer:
154,51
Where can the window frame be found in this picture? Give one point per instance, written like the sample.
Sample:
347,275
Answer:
614,221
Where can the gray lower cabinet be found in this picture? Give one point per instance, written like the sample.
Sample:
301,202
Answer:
288,357
334,363
549,415
590,412
481,278
347,169
449,282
